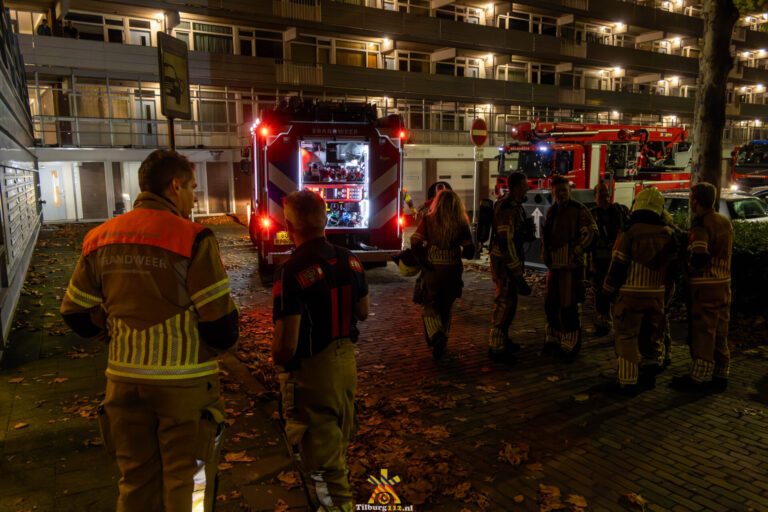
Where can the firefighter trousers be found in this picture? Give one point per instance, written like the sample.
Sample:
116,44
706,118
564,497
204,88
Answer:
318,408
504,304
637,321
602,303
565,292
166,439
710,313
442,286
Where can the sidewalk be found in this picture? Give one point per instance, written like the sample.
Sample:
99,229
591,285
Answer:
463,434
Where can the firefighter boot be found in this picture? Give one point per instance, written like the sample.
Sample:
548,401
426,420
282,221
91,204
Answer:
439,341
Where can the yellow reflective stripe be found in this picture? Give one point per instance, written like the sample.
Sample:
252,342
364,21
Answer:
212,298
79,302
202,292
188,342
82,295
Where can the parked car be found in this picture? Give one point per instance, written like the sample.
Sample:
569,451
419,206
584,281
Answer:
761,192
737,206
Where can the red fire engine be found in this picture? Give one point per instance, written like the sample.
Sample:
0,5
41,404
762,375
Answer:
343,153
587,153
749,164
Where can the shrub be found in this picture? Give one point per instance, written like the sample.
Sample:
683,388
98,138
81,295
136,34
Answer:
749,267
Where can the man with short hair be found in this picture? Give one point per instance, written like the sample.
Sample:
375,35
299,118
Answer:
43,29
508,234
319,295
710,248
610,218
568,233
151,283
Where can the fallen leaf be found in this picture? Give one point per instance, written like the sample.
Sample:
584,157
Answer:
577,501
633,501
536,466
96,441
20,425
281,506
460,491
519,498
553,378
289,479
59,380
515,454
225,466
238,457
580,397
15,380
487,389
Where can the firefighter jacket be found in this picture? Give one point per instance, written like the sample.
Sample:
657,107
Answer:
160,281
323,283
643,257
711,245
429,247
567,235
509,233
610,222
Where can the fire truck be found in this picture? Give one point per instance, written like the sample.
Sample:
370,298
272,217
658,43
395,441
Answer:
587,153
345,154
749,164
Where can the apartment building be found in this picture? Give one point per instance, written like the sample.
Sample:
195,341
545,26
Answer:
438,63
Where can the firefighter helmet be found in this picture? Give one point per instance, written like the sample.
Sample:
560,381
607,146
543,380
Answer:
407,263
649,199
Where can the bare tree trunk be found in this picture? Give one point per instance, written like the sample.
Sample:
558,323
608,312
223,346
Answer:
715,62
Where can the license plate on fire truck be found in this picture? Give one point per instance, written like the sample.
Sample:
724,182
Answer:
282,238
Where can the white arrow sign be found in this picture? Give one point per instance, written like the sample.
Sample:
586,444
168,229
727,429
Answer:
537,215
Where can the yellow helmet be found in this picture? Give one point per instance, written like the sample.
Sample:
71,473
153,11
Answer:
649,199
407,263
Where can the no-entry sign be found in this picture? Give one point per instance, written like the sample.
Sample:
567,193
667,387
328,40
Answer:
478,132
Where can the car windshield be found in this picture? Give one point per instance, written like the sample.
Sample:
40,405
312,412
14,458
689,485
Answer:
747,208
539,163
753,155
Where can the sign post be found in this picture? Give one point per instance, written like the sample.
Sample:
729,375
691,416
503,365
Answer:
174,81
478,133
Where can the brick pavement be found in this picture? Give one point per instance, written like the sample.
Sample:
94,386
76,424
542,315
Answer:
680,452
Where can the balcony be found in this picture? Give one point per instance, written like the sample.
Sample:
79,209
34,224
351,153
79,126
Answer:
57,55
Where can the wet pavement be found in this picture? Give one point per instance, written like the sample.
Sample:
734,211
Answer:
463,434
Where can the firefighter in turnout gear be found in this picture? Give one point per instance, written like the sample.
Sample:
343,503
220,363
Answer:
710,247
319,295
637,278
508,234
151,284
568,233
440,241
611,218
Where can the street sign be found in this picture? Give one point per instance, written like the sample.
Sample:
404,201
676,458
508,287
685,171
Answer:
174,77
478,132
479,154
537,215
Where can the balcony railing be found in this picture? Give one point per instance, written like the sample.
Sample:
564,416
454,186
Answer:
299,74
308,10
61,131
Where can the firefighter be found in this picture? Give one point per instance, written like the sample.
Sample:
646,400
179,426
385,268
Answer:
710,247
637,279
432,192
151,284
611,218
568,233
440,241
508,233
319,294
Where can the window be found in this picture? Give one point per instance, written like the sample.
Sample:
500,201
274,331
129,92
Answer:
261,43
512,72
413,61
216,116
357,53
461,66
205,37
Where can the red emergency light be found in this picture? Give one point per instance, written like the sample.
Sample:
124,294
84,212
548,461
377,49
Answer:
402,134
265,222
401,221
264,131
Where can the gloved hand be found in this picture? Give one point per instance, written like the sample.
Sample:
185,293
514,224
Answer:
522,286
